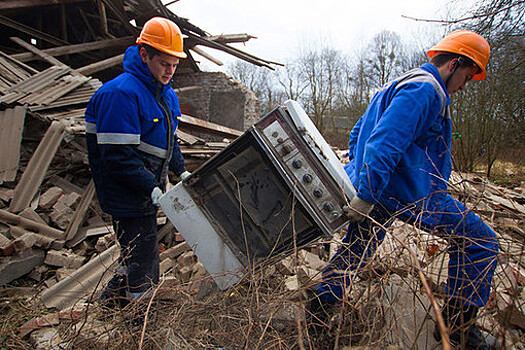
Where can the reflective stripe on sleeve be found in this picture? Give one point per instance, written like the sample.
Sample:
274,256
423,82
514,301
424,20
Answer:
153,150
91,128
118,139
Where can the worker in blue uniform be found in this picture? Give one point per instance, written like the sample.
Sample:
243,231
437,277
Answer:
130,133
400,163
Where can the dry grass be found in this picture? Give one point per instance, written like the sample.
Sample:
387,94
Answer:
388,307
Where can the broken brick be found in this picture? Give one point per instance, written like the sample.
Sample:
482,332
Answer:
50,197
70,200
187,258
63,259
16,266
25,242
166,265
61,215
6,246
39,322
175,251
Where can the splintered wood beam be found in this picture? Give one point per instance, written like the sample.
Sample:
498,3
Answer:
38,52
99,66
206,55
77,48
231,38
103,18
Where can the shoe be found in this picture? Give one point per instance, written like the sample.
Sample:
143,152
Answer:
114,296
465,333
319,315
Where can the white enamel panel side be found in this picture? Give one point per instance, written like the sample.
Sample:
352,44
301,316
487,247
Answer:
193,225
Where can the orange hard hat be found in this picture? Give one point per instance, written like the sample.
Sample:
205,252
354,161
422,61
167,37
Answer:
164,35
466,43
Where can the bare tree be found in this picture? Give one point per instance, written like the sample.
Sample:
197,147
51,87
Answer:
385,57
322,71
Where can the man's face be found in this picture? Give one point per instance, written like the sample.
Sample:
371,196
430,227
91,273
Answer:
460,78
161,66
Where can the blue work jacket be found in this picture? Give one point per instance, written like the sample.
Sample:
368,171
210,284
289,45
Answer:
400,148
130,133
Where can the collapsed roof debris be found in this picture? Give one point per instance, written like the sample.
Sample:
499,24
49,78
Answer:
55,238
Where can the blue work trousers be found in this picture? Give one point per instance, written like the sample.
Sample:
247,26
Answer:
139,251
472,249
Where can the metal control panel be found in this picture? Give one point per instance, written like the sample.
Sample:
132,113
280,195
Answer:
303,172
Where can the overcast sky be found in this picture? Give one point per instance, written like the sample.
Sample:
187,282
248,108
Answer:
284,27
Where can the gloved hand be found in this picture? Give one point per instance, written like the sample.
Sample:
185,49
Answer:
184,175
155,196
359,209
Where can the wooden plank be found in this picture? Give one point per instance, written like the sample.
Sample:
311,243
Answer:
207,56
38,52
33,32
207,127
104,64
77,48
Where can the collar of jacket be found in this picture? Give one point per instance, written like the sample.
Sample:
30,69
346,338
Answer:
429,67
133,64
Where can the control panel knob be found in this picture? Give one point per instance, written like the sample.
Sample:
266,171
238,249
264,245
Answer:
297,163
328,207
286,149
308,178
275,134
318,193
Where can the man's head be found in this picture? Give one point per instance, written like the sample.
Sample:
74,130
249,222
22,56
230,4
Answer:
161,48
460,56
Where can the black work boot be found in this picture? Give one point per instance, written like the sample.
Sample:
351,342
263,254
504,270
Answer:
114,296
464,333
319,315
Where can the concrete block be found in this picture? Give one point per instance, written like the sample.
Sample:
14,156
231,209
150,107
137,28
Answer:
50,197
13,267
63,258
6,246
